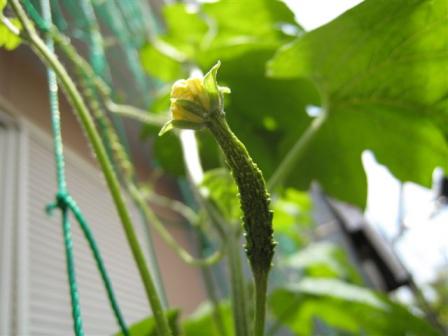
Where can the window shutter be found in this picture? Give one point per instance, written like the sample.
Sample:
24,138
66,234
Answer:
49,304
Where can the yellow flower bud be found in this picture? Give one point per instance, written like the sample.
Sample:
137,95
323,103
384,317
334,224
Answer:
193,100
193,91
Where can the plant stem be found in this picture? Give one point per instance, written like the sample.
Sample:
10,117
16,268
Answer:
257,218
261,282
238,289
84,116
124,110
287,165
129,111
168,238
120,159
210,288
229,236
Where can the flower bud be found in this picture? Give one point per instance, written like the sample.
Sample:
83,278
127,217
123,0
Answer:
194,100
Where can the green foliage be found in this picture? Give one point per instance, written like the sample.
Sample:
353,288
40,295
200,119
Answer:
8,40
378,72
348,308
381,69
438,299
158,65
202,322
292,220
221,189
147,327
168,152
270,125
324,260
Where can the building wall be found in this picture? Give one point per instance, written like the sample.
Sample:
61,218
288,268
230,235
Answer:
23,95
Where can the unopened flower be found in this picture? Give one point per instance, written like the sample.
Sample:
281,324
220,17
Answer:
194,100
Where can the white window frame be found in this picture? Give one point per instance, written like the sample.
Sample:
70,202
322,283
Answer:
14,228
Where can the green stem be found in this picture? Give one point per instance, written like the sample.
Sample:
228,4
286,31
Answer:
261,282
84,116
211,293
120,159
257,218
228,234
184,210
210,288
288,164
238,289
168,238
124,110
129,111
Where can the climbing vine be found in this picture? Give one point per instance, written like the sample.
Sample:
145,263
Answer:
278,74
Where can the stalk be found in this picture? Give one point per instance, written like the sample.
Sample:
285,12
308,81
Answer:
228,234
197,103
257,218
261,282
111,179
288,163
238,289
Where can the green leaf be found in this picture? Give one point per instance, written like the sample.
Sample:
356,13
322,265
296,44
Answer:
349,308
292,220
2,4
211,85
264,123
166,128
164,57
148,327
168,153
381,69
209,152
262,120
265,17
8,40
202,322
221,188
159,64
324,260
232,37
186,29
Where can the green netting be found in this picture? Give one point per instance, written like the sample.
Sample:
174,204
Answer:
106,30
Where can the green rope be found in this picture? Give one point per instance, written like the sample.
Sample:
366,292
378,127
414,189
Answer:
63,199
38,20
74,295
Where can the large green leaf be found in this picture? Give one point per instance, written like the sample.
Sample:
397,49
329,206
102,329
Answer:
229,38
265,123
382,71
264,112
203,321
353,309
